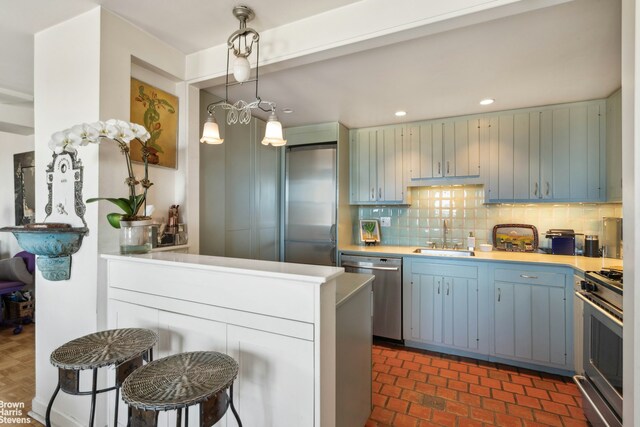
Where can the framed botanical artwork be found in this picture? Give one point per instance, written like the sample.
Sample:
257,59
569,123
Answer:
157,111
369,231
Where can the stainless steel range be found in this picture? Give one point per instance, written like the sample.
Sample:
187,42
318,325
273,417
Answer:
601,386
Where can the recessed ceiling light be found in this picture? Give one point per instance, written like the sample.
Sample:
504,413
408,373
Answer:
487,101
401,113
287,110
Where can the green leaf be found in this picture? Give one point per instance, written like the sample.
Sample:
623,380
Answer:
114,219
137,202
121,202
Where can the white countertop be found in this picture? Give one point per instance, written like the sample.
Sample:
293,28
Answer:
348,284
302,272
576,262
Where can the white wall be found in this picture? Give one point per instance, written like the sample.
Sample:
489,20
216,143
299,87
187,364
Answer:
631,208
82,74
10,144
212,186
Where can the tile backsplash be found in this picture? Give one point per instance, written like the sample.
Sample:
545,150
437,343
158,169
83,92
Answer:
464,209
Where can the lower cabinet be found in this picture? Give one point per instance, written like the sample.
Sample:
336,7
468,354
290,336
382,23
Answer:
281,364
444,304
530,316
520,313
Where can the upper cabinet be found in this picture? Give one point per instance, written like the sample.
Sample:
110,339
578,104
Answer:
377,173
548,154
444,148
614,147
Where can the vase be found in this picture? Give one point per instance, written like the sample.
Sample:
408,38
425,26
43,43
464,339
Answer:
134,236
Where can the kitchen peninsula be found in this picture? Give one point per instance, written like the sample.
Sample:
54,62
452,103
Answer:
278,320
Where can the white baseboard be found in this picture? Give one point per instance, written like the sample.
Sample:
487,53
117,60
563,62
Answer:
58,419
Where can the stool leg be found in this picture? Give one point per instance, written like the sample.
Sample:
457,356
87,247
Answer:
115,416
186,417
179,418
47,417
94,387
233,408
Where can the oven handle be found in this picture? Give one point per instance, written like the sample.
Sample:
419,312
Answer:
609,316
578,379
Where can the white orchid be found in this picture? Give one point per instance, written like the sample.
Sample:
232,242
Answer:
64,141
86,132
123,133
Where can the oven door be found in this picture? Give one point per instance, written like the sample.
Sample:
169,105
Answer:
603,352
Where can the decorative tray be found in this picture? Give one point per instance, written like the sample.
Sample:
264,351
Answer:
515,237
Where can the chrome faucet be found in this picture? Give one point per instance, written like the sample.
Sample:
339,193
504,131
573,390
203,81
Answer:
445,230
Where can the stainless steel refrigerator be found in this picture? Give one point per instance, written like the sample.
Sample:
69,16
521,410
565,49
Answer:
310,204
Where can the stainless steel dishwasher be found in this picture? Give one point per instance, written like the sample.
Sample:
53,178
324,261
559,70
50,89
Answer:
387,292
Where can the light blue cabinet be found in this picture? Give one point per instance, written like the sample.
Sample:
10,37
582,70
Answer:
444,149
377,166
444,304
553,153
516,313
532,315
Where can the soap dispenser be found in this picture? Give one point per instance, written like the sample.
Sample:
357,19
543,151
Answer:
471,241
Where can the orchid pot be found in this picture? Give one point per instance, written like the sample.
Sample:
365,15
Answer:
135,236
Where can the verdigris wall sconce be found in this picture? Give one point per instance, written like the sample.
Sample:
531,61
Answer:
61,233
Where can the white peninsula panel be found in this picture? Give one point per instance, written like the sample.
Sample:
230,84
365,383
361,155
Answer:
278,320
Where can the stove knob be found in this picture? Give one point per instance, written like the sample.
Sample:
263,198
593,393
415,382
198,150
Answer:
583,285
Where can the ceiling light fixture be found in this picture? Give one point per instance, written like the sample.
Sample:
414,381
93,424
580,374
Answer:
401,113
487,101
241,43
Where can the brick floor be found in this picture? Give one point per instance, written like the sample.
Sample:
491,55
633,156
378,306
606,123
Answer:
421,388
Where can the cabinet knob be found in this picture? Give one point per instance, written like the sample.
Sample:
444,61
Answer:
547,192
380,193
439,170
526,276
535,189
499,294
448,171
373,193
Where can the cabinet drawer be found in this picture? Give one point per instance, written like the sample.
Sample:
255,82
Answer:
530,277
449,270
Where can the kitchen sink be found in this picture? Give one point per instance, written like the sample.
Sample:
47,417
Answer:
444,252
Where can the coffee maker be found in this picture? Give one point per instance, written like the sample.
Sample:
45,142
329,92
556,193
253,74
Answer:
612,246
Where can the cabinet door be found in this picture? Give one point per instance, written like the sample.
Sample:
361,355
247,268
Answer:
521,153
363,166
505,157
535,189
275,384
389,162
449,148
460,312
180,333
437,129
529,322
584,152
561,185
473,147
504,320
426,307
421,157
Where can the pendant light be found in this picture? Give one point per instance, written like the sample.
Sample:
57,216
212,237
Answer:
241,43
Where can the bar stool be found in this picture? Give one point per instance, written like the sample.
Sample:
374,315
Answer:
124,348
179,381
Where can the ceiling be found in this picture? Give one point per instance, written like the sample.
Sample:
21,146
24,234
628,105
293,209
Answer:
555,54
564,53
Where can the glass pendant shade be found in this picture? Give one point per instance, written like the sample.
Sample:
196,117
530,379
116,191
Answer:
211,131
241,69
273,132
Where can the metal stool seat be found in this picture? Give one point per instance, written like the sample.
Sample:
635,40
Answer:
179,381
124,348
